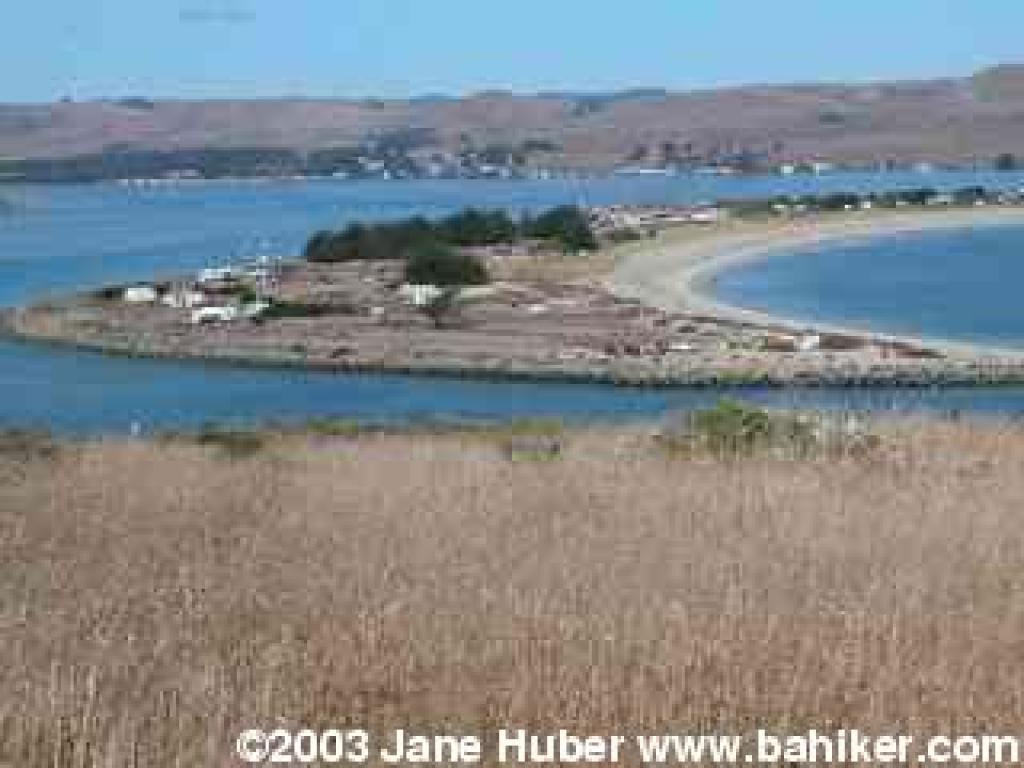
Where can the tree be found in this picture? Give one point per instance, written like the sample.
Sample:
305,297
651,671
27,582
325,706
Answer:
377,242
398,239
474,227
568,225
319,247
440,265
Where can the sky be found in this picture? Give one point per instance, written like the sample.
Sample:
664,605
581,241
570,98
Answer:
94,49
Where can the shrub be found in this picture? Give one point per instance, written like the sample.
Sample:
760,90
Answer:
970,195
281,309
618,236
437,264
536,427
734,429
540,440
443,309
532,448
233,443
755,207
245,294
918,196
838,201
330,427
24,445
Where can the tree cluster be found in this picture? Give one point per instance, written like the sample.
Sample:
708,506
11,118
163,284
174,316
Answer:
566,226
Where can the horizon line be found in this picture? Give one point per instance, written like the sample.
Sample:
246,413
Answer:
638,91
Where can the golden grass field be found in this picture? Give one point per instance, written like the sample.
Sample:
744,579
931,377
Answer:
156,596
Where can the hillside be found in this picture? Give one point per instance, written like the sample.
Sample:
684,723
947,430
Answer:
952,121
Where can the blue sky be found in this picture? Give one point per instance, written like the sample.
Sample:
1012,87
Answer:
394,48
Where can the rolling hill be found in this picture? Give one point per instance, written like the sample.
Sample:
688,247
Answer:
946,121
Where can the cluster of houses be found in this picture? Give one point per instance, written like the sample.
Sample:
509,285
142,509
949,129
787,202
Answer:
924,197
215,296
817,168
227,294
641,218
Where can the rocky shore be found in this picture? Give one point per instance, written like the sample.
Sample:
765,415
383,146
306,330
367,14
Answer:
636,372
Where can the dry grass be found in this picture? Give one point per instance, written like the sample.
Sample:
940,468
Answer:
156,596
555,267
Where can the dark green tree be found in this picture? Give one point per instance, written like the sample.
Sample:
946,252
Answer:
441,265
566,225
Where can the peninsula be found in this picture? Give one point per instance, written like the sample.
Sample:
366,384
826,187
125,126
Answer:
634,311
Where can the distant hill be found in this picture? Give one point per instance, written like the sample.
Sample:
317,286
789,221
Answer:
947,121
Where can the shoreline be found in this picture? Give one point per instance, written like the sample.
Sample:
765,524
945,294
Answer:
653,306
964,374
680,276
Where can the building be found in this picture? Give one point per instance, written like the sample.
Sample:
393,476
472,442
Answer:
213,315
217,274
419,295
254,309
140,294
184,299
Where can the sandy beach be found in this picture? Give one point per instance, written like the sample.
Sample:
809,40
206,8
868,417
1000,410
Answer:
677,274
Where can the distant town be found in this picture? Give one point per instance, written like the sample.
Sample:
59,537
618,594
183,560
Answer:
397,157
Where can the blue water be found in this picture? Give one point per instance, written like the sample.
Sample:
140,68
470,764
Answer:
81,393
70,237
66,237
959,284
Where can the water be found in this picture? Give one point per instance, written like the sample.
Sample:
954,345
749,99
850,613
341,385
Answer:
63,238
68,237
959,284
81,393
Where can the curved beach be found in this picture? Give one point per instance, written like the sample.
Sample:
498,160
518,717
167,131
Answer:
678,273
